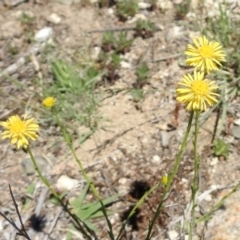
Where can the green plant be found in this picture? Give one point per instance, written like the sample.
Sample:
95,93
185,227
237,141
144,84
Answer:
110,63
137,94
106,3
13,50
220,148
142,74
112,66
75,93
28,22
87,211
108,41
126,9
223,28
144,29
27,19
181,9
153,4
29,191
123,44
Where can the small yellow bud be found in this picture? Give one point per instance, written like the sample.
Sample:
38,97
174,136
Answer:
164,179
49,102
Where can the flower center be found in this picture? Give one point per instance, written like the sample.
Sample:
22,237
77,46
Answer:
18,126
200,87
206,51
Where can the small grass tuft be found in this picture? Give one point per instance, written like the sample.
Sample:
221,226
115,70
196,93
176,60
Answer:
123,43
144,29
126,9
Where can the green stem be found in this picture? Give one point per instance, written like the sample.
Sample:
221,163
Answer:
171,175
47,183
195,176
207,215
89,181
137,205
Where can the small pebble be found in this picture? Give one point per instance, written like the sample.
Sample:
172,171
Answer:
122,181
54,18
237,122
144,5
125,65
214,161
164,138
235,131
44,34
28,167
156,159
65,183
172,235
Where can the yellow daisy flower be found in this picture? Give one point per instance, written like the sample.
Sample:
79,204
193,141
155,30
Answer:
196,92
206,55
49,102
19,131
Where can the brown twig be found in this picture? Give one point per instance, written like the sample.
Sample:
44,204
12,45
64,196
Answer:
117,29
113,29
21,232
168,57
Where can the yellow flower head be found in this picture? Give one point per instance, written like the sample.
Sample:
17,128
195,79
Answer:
206,55
19,131
49,102
196,92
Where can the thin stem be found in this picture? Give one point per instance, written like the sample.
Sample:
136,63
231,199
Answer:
207,215
47,183
89,181
137,205
171,175
195,177
224,110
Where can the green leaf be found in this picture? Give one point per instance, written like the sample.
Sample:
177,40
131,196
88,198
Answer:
220,148
31,188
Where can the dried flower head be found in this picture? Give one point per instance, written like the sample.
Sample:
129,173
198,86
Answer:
205,55
49,102
19,131
196,92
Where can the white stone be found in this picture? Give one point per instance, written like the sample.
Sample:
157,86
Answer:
138,16
174,33
184,180
54,18
156,159
164,135
110,11
65,183
208,198
172,235
95,53
144,5
126,65
214,161
235,130
237,121
164,4
122,181
44,34
191,16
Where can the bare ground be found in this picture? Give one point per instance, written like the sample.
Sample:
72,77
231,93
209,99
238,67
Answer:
139,141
